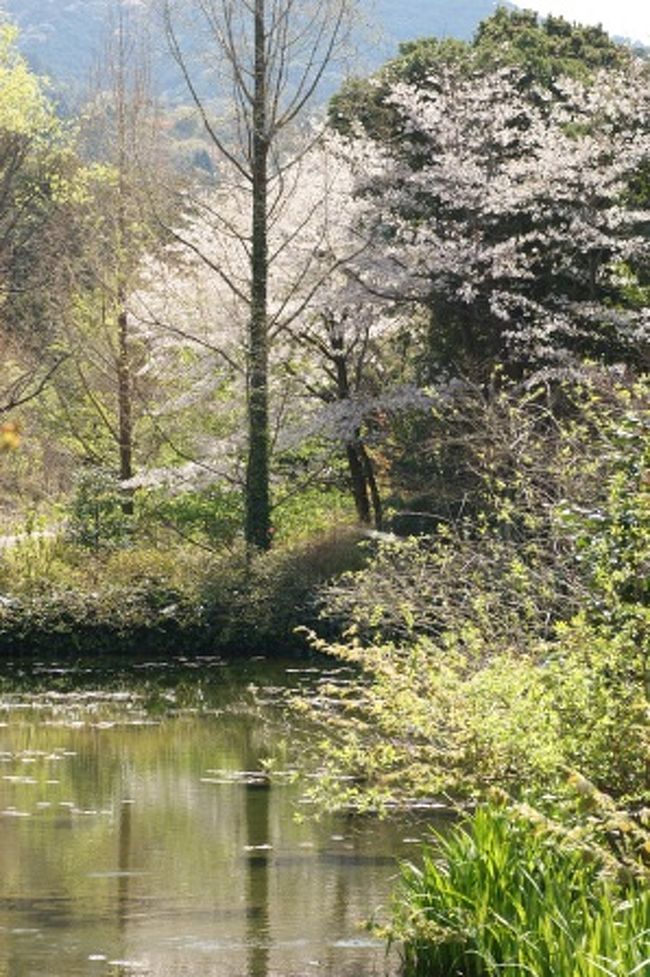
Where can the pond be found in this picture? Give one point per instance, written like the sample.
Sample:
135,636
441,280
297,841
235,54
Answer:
139,835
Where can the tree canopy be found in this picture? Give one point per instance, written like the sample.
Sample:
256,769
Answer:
511,173
542,50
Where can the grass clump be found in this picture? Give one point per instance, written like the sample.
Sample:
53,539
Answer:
501,894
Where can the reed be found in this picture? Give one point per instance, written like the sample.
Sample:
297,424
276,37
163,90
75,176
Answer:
498,896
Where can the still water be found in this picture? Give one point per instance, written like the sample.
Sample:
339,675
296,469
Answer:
137,836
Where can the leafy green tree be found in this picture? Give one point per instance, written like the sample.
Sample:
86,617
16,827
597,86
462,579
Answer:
33,159
118,193
542,50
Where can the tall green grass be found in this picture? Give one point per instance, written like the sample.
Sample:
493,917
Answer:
500,897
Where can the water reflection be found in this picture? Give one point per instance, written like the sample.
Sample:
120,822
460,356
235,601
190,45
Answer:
135,843
257,808
123,865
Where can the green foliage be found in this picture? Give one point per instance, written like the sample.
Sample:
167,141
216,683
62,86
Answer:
256,600
311,512
35,561
213,515
159,576
612,537
24,108
598,685
61,598
96,511
615,834
544,49
34,152
524,489
458,718
512,645
452,583
65,597
501,894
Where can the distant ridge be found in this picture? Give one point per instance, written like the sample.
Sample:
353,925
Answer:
405,20
62,38
59,39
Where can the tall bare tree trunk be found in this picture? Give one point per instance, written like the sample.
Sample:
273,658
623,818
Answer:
124,404
124,386
272,55
258,506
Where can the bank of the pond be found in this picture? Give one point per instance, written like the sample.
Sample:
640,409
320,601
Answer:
59,600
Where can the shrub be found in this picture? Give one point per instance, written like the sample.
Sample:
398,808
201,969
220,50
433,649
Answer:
213,515
502,590
230,601
96,516
456,719
505,649
255,601
557,519
312,513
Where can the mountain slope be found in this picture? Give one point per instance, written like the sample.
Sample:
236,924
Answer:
59,39
62,39
408,19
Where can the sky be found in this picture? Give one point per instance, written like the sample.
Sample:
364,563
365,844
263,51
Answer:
626,18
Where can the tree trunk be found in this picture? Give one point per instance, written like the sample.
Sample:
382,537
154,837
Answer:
258,507
124,404
371,481
124,401
359,464
359,484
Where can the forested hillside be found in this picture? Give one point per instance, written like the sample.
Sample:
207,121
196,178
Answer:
59,40
62,39
434,18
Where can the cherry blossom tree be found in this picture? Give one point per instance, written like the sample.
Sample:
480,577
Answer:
506,212
499,213
329,380
193,310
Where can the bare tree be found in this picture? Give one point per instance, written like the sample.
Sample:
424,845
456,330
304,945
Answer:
120,142
269,58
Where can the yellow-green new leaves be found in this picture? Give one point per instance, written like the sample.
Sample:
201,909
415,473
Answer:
82,186
24,107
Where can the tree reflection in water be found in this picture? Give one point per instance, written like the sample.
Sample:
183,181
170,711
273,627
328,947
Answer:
257,806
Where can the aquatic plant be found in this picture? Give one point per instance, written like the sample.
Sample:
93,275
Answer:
502,894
